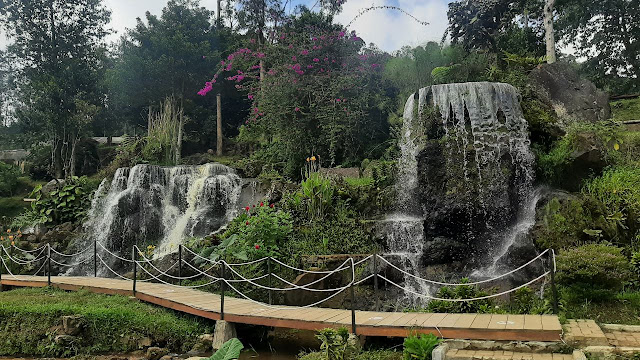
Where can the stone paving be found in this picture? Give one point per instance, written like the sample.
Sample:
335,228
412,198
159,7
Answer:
502,355
623,338
580,333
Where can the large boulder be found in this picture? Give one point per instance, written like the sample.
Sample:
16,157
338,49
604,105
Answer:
574,98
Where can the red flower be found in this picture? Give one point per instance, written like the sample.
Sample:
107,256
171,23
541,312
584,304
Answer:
247,208
257,246
247,223
271,206
261,204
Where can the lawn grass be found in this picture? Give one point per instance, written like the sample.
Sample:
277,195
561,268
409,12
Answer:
625,110
113,324
623,309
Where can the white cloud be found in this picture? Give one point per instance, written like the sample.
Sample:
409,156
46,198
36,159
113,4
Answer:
391,29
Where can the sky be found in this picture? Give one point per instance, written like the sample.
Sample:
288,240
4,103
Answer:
388,29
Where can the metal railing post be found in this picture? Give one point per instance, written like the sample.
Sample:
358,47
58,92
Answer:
49,265
95,258
135,269
180,264
554,289
375,280
223,288
270,276
1,266
353,298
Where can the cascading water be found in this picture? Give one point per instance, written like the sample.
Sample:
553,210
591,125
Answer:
163,206
464,177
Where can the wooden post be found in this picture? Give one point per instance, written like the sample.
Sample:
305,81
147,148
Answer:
270,276
1,266
375,280
554,289
353,298
223,288
49,265
135,269
180,264
219,125
95,258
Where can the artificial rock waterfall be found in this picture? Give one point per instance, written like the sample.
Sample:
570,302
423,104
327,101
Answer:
464,189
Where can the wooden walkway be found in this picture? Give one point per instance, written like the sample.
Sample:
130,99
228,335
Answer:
207,305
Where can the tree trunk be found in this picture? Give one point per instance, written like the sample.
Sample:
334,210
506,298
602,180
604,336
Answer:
58,166
548,29
219,126
219,14
179,142
72,161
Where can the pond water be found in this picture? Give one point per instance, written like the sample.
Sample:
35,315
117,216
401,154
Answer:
267,355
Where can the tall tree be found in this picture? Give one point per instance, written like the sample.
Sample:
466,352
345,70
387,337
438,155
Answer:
167,56
606,32
57,44
549,34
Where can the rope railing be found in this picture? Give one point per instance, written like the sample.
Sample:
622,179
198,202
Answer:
228,275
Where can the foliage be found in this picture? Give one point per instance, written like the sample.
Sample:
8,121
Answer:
625,110
526,301
317,194
60,62
618,189
612,43
256,233
461,292
623,308
113,324
10,208
8,179
164,139
336,345
320,92
67,203
420,347
595,271
635,264
230,350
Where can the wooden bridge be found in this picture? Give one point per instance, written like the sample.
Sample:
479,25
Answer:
367,323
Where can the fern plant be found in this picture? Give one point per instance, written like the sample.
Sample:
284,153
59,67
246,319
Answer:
420,347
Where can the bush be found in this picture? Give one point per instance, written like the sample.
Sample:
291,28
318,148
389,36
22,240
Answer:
420,347
256,233
593,271
461,292
67,203
336,345
8,179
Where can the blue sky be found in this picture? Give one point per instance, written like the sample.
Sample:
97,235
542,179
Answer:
390,30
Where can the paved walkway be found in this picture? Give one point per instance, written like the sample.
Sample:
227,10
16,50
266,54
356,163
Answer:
368,323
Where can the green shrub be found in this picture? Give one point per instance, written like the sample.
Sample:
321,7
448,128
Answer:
336,345
625,110
461,292
256,233
317,192
8,179
594,271
525,301
67,203
420,347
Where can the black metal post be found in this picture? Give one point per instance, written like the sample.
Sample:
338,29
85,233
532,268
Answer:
49,265
135,269
95,258
223,287
270,275
353,299
554,289
180,264
375,280
1,266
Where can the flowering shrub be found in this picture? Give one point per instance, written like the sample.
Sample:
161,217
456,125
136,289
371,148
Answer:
314,88
256,233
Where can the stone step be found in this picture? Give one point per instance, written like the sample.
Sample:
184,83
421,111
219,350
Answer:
503,355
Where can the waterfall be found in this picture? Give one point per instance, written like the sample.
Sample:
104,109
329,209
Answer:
474,189
161,206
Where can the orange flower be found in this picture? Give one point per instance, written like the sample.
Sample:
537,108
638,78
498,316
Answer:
8,231
307,159
313,158
13,243
10,237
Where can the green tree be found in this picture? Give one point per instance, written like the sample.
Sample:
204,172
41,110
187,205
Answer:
167,56
606,32
58,46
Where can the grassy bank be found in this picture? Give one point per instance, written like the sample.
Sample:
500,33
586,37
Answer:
31,320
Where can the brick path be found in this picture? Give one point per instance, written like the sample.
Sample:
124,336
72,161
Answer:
623,338
502,355
584,333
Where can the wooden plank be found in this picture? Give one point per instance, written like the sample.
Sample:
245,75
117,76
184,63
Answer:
515,322
433,320
533,322
448,320
465,321
390,319
481,321
551,322
498,321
